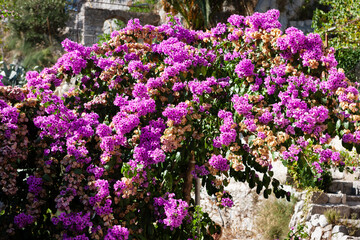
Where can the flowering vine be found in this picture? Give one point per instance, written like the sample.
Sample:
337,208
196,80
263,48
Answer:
156,107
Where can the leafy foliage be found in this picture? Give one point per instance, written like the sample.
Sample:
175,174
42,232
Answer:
143,6
12,74
303,174
349,60
35,32
341,23
298,234
39,21
197,13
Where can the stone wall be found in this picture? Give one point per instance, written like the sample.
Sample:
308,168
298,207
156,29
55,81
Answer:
343,197
86,23
87,19
290,13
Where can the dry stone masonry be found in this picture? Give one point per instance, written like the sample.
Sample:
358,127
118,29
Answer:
343,197
87,20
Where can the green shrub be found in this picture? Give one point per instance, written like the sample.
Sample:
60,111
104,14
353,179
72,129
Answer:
12,74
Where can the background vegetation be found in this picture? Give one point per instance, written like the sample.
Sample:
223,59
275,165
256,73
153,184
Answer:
340,21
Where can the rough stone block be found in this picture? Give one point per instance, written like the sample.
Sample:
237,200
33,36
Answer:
308,22
308,227
316,235
319,198
323,221
339,229
326,235
336,186
335,198
321,209
314,220
337,236
349,188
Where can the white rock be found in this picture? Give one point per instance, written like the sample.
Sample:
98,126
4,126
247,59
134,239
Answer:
326,235
299,205
323,221
328,228
280,171
336,142
339,229
337,236
308,227
314,220
316,235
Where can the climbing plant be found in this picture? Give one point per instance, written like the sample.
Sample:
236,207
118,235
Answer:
156,107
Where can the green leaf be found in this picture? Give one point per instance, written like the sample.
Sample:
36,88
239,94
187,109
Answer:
275,183
46,178
78,171
331,127
252,182
266,180
266,195
251,139
338,124
348,146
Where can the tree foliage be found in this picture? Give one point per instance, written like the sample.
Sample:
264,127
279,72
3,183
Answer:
341,23
39,21
197,13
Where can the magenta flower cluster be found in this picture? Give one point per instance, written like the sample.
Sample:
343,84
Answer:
245,68
200,171
176,113
75,222
174,210
117,233
227,202
35,184
227,130
22,220
219,162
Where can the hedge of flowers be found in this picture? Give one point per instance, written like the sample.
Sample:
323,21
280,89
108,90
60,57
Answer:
155,108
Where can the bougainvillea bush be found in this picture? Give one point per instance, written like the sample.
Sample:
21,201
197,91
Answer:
155,108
